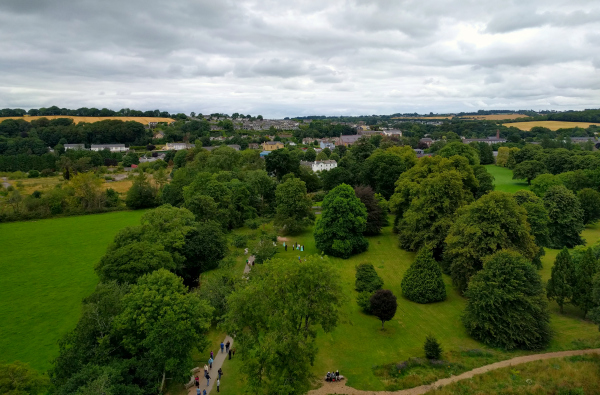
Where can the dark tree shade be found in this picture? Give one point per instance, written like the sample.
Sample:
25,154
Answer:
384,305
205,246
506,305
422,282
375,215
559,285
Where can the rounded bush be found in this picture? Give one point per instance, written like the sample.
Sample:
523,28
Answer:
422,282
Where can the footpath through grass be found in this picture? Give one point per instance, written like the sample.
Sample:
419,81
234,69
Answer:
503,179
47,268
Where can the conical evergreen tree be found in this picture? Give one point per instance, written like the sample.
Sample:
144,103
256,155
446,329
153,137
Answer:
559,286
422,282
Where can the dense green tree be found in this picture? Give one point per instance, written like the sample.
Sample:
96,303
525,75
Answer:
141,194
594,313
180,158
559,286
383,305
376,216
281,162
294,207
160,326
484,179
422,282
458,148
321,156
538,219
339,231
275,316
543,182
19,378
128,263
528,170
215,290
203,207
310,155
367,279
486,153
506,304
585,270
205,246
590,204
432,348
264,249
566,217
335,177
492,223
382,169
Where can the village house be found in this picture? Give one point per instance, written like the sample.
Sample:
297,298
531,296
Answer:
75,146
489,140
320,165
426,141
392,132
348,139
178,146
110,147
159,135
272,145
307,140
324,145
253,146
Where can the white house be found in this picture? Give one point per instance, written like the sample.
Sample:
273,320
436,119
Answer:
321,165
178,146
392,132
74,146
110,147
324,144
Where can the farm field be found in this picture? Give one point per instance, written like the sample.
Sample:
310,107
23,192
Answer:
29,185
503,179
552,125
76,119
494,117
47,269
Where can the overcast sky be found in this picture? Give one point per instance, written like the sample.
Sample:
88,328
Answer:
294,57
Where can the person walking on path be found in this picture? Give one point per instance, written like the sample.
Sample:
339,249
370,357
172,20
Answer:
212,355
229,354
210,362
197,391
222,346
227,346
218,384
207,379
220,373
204,392
205,370
285,248
197,381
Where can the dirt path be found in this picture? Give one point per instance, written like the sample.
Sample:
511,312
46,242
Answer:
340,388
220,357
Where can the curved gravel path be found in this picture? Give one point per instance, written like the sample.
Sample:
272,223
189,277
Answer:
340,388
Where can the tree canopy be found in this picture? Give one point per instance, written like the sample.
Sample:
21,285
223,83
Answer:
422,282
566,217
294,207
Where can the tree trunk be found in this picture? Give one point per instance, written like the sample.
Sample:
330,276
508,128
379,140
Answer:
382,321
162,384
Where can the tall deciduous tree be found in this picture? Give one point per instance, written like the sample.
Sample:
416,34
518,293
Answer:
528,170
383,305
594,313
492,223
160,325
339,231
280,162
376,217
559,286
422,282
538,219
566,217
458,148
275,317
382,169
506,304
294,211
586,269
141,194
205,246
590,204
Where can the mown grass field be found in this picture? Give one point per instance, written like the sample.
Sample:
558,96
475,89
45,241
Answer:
503,179
76,119
552,125
47,268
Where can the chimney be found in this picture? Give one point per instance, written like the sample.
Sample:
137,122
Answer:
498,134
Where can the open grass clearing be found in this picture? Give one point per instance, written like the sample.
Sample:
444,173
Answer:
47,268
552,125
503,180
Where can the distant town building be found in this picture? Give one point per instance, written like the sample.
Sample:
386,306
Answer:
426,141
489,140
110,147
392,132
253,146
75,146
272,145
179,146
324,145
348,139
320,165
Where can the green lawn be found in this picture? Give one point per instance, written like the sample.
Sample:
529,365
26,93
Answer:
503,179
46,270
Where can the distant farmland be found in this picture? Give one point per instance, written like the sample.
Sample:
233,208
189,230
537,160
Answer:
552,125
76,119
494,117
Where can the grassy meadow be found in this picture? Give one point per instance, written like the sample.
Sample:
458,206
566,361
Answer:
77,119
552,125
47,269
503,179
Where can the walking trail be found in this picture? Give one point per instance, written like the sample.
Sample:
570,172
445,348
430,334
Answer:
340,387
220,357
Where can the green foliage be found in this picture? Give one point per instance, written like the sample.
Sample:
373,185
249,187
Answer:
376,216
383,305
239,241
382,169
433,349
458,148
364,301
492,223
128,263
275,316
542,183
335,177
585,270
264,250
281,162
559,286
422,282
33,174
594,313
590,204
484,179
18,378
293,206
566,217
205,246
215,290
367,279
528,170
506,304
339,231
141,194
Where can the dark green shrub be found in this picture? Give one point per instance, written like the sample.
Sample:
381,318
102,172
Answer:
252,223
112,198
47,173
422,282
364,301
367,279
432,348
239,241
33,174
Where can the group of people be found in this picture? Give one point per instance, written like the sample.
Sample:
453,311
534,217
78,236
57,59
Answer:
225,347
296,246
333,376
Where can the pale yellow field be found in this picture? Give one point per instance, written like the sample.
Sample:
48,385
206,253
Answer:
424,118
144,120
495,117
552,125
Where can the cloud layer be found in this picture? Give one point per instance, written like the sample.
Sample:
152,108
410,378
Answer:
300,56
